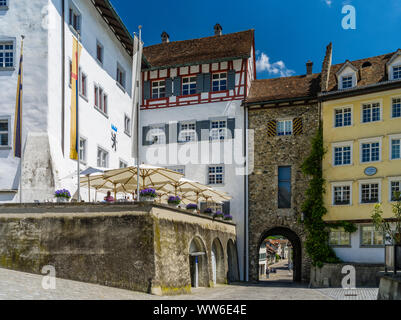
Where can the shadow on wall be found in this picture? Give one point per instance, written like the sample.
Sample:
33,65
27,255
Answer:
232,258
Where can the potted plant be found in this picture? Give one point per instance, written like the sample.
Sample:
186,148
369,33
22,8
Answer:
62,195
148,194
218,215
174,201
228,217
208,211
192,207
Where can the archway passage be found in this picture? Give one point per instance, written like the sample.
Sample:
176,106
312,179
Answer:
198,263
280,255
232,259
217,261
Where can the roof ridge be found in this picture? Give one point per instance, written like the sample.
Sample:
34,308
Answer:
195,39
363,59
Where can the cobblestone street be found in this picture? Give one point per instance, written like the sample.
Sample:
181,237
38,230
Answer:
23,286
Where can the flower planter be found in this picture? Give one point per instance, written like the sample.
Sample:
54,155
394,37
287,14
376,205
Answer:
148,199
62,199
174,205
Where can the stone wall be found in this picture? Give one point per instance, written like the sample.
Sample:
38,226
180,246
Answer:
367,275
138,247
269,154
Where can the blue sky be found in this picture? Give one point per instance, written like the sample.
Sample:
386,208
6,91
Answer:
288,32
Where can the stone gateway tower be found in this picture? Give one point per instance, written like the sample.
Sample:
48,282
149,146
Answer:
284,114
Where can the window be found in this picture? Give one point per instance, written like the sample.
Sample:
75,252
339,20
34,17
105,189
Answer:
395,187
127,125
395,148
343,117
396,111
75,19
102,158
371,237
347,82
188,85
120,76
397,73
82,149
179,169
370,152
157,135
216,175
83,79
100,99
99,52
219,82
284,128
338,237
6,55
342,155
342,195
3,4
4,132
187,132
122,164
158,89
218,130
370,192
371,112
284,187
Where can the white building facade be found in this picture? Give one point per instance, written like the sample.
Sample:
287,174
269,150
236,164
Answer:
192,119
105,99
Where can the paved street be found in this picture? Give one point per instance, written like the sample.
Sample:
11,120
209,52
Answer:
282,273
23,286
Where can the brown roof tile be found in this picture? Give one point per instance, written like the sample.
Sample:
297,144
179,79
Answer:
367,75
233,45
284,88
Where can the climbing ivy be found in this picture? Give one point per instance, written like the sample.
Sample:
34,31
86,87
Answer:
317,240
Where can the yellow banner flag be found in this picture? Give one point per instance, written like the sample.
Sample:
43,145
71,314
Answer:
74,138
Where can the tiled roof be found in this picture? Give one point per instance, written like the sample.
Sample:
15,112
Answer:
177,53
284,88
370,71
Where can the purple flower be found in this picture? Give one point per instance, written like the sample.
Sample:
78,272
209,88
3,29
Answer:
228,217
192,206
208,210
148,193
174,200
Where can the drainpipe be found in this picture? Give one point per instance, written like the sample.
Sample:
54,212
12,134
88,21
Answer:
62,73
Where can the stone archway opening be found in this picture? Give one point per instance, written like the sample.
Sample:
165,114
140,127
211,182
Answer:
217,261
280,256
232,261
198,265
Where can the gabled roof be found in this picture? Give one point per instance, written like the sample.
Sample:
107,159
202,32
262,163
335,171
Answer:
197,51
286,88
395,55
371,71
116,25
344,66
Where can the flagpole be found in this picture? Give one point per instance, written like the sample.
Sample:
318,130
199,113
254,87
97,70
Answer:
78,137
138,65
21,119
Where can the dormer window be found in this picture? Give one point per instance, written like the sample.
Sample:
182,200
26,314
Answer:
397,72
347,82
347,76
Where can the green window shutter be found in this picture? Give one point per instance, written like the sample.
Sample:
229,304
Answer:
206,82
169,87
177,86
199,83
231,79
272,128
297,126
146,90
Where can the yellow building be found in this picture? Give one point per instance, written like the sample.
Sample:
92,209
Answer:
361,113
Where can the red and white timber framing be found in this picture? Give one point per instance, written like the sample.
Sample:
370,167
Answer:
239,93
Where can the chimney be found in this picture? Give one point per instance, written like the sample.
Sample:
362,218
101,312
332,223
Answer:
326,68
218,30
165,37
309,67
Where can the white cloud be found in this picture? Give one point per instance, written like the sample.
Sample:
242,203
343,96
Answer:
276,68
328,2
